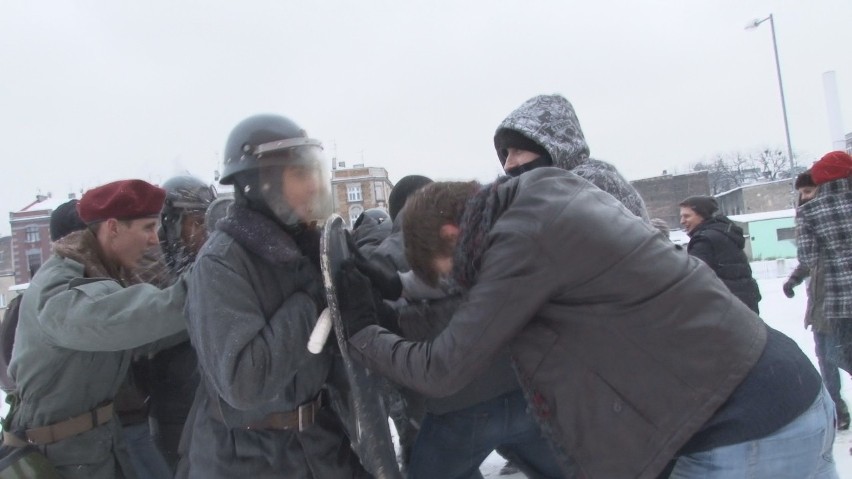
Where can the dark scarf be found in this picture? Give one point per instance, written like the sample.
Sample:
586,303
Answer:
480,213
266,238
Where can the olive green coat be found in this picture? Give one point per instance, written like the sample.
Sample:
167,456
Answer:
78,331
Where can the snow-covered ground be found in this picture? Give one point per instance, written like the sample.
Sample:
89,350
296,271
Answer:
785,315
782,314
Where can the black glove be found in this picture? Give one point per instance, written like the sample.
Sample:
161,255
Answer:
388,317
384,279
355,297
788,288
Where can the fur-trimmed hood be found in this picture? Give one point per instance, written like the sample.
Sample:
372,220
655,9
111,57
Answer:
83,247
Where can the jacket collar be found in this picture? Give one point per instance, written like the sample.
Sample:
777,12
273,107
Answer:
837,186
83,247
260,235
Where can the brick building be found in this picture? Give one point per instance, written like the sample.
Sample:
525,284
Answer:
31,236
758,198
7,273
357,189
662,194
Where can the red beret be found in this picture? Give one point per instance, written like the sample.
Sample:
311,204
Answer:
122,200
832,166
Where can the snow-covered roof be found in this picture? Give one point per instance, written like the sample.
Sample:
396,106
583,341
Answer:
679,237
751,185
47,204
766,215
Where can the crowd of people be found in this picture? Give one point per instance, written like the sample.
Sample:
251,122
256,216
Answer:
167,335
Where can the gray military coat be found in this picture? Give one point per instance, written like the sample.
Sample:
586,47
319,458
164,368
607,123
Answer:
78,332
253,300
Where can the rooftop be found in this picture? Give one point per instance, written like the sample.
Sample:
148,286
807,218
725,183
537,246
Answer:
766,215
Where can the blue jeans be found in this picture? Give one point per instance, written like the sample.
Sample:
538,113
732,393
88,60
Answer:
453,445
829,370
801,449
147,460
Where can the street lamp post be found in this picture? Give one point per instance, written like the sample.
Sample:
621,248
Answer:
754,24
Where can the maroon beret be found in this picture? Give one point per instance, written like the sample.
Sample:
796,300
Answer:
832,166
122,200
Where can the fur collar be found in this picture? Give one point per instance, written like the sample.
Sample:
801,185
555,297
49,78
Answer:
83,247
260,235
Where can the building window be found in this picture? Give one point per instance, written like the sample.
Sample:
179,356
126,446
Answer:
353,192
380,191
786,234
33,261
354,212
32,234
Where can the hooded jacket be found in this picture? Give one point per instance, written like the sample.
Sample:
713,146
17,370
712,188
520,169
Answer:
550,121
80,327
719,242
610,332
823,232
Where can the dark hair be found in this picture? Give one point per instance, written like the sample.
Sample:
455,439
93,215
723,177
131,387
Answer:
704,206
404,188
426,211
804,180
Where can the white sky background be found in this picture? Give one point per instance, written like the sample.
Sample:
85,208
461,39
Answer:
94,91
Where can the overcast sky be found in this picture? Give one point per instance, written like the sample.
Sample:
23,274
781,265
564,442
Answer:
94,91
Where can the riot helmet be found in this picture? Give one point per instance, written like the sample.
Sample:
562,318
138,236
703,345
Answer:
277,170
217,210
376,216
182,229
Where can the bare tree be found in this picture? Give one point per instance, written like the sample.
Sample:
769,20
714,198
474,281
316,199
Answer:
773,163
731,170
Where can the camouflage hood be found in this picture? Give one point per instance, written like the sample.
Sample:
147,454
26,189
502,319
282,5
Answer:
550,121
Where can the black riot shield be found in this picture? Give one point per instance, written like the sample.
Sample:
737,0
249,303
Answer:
355,391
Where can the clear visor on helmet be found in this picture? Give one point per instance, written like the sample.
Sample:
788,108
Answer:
295,184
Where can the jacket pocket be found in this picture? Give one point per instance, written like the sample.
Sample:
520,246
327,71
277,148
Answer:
530,348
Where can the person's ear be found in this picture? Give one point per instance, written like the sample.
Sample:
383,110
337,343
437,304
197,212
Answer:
111,226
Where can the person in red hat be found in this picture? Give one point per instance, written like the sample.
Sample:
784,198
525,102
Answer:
82,321
823,229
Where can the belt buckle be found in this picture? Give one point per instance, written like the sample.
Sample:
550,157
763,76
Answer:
306,414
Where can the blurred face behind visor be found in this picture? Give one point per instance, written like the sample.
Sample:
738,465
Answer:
294,183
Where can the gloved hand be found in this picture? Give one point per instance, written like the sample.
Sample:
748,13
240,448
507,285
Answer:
788,288
388,317
387,282
355,297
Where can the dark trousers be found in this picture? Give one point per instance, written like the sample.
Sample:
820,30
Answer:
453,445
827,367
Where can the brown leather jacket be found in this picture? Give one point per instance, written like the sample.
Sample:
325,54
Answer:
624,345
